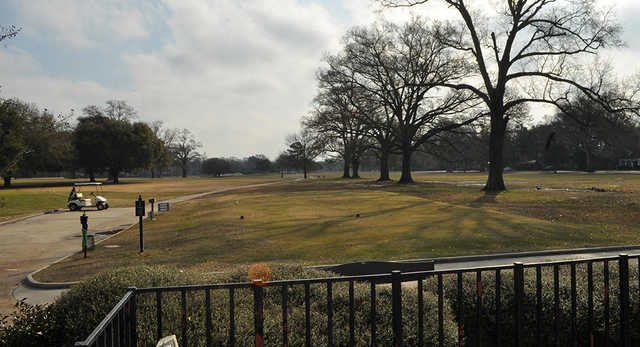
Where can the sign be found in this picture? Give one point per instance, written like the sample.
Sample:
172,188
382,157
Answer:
140,208
163,207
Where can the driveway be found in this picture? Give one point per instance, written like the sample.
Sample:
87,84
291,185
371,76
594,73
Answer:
32,243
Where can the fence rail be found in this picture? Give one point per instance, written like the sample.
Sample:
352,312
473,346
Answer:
527,282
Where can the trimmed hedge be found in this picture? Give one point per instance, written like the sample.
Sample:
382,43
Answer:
79,310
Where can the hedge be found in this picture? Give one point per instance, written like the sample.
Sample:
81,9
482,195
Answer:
79,310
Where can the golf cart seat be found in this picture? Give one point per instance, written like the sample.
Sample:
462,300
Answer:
78,195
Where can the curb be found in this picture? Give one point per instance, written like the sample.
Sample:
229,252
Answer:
31,282
447,260
18,219
460,259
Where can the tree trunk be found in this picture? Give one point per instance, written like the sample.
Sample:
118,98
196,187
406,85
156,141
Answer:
355,165
384,166
304,168
406,166
495,181
587,159
153,173
346,168
7,181
116,178
184,171
92,176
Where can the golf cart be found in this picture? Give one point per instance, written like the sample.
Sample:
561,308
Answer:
77,201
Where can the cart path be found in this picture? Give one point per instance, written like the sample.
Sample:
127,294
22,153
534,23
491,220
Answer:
32,243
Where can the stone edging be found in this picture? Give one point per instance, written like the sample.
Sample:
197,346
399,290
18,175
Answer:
446,260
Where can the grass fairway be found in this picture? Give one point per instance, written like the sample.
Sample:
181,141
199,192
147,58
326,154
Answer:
315,222
28,196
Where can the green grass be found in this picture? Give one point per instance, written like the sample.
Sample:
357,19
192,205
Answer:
29,196
314,222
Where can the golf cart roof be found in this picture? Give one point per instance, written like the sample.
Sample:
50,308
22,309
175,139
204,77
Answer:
88,184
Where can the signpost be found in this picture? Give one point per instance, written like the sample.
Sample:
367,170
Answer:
84,221
163,207
140,213
151,201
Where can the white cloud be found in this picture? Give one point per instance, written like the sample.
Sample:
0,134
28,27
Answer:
24,78
84,23
239,74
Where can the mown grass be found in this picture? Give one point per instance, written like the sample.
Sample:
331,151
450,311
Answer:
315,222
28,196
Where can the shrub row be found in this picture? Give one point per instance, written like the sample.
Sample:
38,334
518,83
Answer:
79,310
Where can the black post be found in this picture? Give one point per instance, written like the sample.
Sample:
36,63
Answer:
396,307
84,221
518,278
258,316
140,213
133,323
625,333
152,202
141,237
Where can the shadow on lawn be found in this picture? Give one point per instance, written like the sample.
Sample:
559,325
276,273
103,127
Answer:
486,198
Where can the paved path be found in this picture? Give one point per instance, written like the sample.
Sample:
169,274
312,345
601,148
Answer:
529,259
32,243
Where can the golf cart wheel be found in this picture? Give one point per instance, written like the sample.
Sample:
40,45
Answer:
102,206
74,207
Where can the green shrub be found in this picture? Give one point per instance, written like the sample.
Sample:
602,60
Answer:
29,325
243,309
487,320
79,310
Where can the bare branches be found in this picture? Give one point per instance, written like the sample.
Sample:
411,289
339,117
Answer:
9,32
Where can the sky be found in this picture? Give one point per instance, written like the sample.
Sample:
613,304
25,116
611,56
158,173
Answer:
239,74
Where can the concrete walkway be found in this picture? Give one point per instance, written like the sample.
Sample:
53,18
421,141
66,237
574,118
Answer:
35,242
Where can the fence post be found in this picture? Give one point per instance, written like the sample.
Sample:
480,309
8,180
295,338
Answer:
625,333
133,323
396,292
258,308
518,286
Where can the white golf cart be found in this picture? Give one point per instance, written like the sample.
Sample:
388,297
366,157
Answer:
77,201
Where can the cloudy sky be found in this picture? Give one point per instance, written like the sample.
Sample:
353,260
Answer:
239,74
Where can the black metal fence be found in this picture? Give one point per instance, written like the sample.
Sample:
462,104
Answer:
575,302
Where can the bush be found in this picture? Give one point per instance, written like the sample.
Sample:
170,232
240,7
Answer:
79,310
29,325
243,309
486,333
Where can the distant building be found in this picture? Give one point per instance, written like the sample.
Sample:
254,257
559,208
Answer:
629,164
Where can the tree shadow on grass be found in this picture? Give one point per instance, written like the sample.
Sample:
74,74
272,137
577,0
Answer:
486,198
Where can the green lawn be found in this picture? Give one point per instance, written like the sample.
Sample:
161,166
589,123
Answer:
314,222
29,196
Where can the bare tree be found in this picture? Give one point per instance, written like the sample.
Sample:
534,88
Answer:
120,110
528,51
304,148
161,156
403,68
8,32
184,149
337,118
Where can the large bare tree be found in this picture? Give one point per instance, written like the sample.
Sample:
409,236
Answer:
403,68
528,51
337,116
